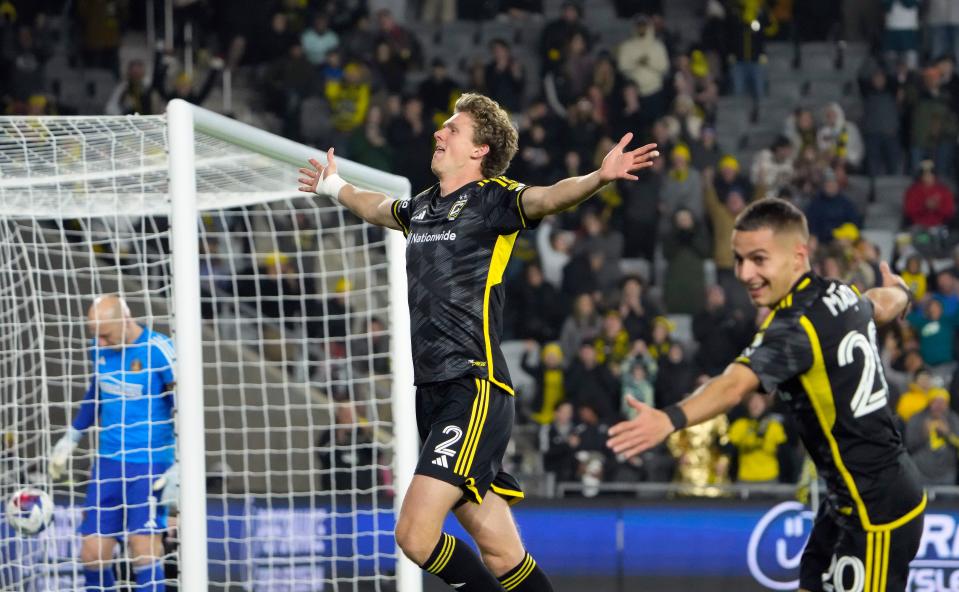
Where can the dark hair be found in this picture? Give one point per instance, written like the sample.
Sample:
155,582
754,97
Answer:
776,214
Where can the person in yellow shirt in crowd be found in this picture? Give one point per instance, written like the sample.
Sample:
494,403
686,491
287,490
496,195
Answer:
917,397
349,98
758,437
548,374
915,277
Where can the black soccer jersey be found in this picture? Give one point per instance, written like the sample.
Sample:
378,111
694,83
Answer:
817,350
457,248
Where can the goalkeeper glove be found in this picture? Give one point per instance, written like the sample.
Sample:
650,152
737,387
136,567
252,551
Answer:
61,453
168,486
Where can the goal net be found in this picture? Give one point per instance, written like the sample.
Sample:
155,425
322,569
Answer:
296,329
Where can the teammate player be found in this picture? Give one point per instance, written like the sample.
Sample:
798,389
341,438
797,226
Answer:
817,350
459,236
131,394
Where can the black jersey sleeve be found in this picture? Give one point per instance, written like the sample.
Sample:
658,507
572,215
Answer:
402,212
779,351
503,206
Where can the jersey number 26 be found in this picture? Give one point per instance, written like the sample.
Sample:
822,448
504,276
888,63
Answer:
865,401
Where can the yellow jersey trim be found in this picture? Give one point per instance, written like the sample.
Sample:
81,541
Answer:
816,383
394,209
511,496
500,259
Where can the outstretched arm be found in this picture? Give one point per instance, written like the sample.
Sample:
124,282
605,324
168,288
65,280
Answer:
374,207
892,299
652,426
539,202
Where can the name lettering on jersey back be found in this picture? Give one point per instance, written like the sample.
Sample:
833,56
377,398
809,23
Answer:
839,298
418,237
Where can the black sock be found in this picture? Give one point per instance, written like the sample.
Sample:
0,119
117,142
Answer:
454,562
526,577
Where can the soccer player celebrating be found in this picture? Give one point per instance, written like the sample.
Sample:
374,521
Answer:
817,350
131,395
459,236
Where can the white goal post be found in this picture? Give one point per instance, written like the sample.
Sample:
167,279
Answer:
201,172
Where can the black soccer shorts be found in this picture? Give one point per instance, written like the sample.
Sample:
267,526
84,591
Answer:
849,558
465,425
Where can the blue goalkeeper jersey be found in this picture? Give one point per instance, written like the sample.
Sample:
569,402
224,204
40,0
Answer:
131,395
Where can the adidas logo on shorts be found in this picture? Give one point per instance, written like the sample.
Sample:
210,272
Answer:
440,461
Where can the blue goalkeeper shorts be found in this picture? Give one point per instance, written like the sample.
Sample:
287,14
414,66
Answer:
120,499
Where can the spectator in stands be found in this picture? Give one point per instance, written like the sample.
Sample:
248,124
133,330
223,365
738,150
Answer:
613,344
685,248
881,126
800,128
901,37
411,137
684,122
643,59
730,177
830,209
640,213
707,151
21,64
504,76
349,101
636,309
582,326
757,438
548,374
916,396
638,376
590,448
721,332
722,217
682,188
838,139
368,144
575,74
947,292
587,382
942,22
290,81
557,33
929,202
402,41
676,377
389,71
346,452
661,339
183,83
318,40
558,441
747,50
438,93
133,95
553,246
534,306
100,33
773,167
915,276
936,333
932,440
276,41
534,163
934,125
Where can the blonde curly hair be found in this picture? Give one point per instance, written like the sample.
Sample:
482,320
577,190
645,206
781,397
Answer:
491,126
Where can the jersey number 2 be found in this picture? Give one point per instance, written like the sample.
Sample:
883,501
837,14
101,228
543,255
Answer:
865,401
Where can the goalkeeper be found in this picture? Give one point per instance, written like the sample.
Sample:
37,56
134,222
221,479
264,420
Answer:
459,236
131,395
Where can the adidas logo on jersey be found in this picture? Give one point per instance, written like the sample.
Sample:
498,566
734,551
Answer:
420,215
440,461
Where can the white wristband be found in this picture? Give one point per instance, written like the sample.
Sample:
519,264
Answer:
331,185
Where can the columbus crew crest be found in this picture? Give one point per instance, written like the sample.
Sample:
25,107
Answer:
456,208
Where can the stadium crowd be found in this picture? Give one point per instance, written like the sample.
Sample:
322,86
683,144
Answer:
633,293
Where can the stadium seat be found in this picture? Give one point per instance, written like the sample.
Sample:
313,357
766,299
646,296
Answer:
635,266
684,328
859,190
883,239
523,383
